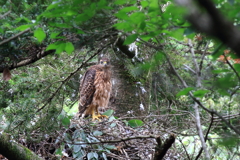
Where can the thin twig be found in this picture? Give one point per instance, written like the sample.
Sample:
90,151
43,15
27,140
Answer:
15,36
117,141
206,137
4,15
184,149
196,100
196,109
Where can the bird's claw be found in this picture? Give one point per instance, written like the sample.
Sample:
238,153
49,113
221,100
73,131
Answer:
98,116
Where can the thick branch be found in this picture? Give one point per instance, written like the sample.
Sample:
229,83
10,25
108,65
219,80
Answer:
28,61
212,22
124,48
161,150
13,151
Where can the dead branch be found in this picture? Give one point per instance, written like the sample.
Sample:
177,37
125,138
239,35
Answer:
161,150
15,36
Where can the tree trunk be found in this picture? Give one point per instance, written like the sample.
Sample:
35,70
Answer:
128,94
14,151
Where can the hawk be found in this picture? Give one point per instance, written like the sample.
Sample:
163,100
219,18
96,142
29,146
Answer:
95,89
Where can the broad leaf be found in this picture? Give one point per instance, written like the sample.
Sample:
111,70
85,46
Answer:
97,133
39,34
108,112
135,123
200,93
130,39
185,91
69,48
66,121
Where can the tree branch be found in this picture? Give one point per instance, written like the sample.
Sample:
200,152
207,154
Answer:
5,14
212,22
15,36
12,150
198,102
161,150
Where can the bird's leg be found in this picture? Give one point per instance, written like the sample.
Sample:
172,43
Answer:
94,116
101,116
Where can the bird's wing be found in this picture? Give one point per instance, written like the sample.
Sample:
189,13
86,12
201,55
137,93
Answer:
87,89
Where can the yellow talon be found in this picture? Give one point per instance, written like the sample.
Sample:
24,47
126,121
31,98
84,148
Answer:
98,116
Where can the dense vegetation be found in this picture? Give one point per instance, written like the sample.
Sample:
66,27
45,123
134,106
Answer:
175,72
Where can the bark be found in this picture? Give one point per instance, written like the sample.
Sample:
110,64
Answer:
127,93
206,18
161,150
13,151
28,61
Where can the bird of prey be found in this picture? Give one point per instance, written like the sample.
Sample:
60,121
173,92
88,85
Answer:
95,89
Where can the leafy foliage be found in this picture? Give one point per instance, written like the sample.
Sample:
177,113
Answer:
173,67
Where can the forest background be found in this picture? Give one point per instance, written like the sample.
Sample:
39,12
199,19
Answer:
175,79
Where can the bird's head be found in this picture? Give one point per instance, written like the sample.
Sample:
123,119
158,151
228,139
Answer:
104,62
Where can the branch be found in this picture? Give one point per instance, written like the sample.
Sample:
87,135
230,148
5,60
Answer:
161,150
117,141
197,101
4,15
185,149
15,36
29,61
196,109
125,48
209,128
212,22
12,150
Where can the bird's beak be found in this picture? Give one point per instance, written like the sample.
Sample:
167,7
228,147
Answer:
105,63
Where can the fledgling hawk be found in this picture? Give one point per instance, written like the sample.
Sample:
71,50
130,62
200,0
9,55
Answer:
95,89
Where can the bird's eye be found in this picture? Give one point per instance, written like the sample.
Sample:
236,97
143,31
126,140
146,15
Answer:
101,62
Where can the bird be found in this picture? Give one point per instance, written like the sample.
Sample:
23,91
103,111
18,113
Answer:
95,89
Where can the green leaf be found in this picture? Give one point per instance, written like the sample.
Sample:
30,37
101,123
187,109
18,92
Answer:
76,148
90,155
130,39
137,17
113,125
225,82
58,151
66,121
110,147
220,71
104,156
135,123
51,47
60,48
200,93
129,9
185,91
97,133
108,113
53,35
39,34
53,5
23,27
122,15
126,26
120,2
144,4
178,34
69,48
111,118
